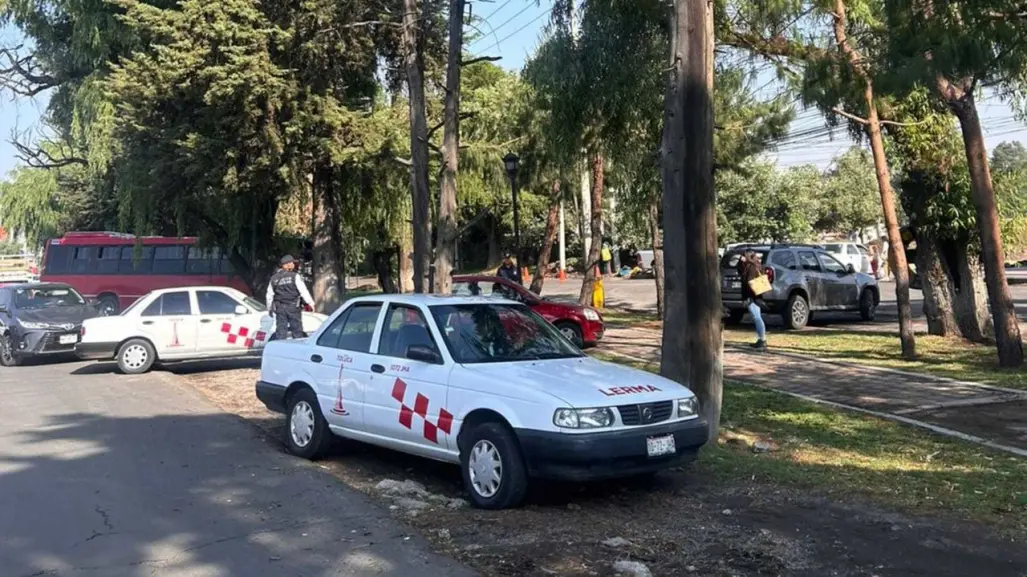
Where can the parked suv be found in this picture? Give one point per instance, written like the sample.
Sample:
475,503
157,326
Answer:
803,279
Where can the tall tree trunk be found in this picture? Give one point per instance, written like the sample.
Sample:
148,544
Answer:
405,255
446,243
598,175
585,214
413,64
334,209
654,235
692,349
495,241
896,253
937,287
547,244
960,100
326,232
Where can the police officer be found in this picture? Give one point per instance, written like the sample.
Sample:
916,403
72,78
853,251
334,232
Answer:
283,299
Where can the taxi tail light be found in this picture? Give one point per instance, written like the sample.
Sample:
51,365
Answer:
769,271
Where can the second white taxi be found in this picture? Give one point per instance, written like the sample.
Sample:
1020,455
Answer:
181,324
483,383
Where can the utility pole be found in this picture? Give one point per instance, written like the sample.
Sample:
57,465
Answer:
563,243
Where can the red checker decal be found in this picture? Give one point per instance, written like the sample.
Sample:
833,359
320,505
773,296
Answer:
421,405
431,432
244,331
232,339
248,343
445,421
399,390
406,416
226,328
261,335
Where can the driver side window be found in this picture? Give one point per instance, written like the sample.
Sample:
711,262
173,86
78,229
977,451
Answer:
404,327
830,264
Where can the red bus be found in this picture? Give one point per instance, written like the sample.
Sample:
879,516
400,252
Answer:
109,267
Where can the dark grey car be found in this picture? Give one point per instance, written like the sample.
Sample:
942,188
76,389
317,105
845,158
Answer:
40,319
804,279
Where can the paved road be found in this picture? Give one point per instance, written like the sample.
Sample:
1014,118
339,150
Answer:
107,475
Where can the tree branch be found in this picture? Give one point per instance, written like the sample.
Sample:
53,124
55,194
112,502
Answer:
852,117
434,129
22,75
38,158
480,59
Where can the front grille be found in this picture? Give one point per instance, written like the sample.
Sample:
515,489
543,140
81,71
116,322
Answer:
51,342
632,415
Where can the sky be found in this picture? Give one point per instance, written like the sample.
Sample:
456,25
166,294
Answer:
512,29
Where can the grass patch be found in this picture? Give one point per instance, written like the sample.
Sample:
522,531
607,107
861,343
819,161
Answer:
618,318
945,357
839,453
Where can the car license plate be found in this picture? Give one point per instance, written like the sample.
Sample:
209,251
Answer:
736,284
663,445
68,339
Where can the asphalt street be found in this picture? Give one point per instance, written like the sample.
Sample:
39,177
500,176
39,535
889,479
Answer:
110,475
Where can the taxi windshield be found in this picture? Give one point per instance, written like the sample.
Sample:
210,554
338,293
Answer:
496,333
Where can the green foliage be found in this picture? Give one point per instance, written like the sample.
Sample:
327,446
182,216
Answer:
851,198
1008,157
760,203
30,204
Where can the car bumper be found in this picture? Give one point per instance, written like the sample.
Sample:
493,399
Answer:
272,395
622,453
96,351
592,332
35,342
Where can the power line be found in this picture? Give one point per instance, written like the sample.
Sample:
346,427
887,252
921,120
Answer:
507,21
510,35
493,13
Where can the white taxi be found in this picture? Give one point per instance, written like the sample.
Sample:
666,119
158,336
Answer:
483,383
180,324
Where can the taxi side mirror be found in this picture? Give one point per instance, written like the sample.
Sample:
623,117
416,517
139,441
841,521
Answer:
424,354
241,310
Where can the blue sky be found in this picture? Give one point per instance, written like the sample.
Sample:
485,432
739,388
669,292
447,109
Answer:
512,30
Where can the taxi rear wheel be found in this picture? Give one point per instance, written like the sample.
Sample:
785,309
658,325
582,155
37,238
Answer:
306,431
493,467
136,357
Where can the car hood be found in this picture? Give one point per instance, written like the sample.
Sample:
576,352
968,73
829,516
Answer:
580,382
58,315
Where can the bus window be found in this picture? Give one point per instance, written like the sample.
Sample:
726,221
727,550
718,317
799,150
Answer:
200,261
131,263
107,259
58,259
169,260
82,261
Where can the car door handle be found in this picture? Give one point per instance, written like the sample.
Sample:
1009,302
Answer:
204,320
377,368
316,358
147,322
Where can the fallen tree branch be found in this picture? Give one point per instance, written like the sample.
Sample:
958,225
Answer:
480,59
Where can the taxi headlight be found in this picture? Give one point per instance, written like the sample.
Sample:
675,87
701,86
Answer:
688,407
591,314
583,418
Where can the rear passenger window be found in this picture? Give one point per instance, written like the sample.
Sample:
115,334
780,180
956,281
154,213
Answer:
785,259
107,259
169,260
170,305
353,329
136,260
808,261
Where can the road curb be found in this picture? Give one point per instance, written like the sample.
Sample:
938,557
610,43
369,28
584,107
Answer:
889,416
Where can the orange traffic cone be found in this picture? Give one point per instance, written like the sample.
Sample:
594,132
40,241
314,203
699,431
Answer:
562,276
524,274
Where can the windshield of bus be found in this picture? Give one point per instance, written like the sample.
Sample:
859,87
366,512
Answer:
39,297
494,333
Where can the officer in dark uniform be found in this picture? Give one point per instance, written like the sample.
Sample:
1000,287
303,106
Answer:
284,293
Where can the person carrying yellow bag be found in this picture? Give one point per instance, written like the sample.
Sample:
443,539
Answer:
754,285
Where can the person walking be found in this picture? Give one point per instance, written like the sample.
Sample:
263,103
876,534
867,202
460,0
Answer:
509,270
749,269
607,258
284,293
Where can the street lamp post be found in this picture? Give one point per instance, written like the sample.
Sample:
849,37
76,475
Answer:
510,161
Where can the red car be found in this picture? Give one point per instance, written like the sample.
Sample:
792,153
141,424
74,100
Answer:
582,325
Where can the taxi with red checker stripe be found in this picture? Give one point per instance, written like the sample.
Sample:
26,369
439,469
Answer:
483,383
182,324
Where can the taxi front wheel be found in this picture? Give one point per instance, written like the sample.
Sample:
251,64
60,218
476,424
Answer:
493,467
306,431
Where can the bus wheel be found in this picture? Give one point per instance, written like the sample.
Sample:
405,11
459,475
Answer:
109,306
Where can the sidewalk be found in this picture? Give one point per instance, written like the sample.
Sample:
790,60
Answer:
993,414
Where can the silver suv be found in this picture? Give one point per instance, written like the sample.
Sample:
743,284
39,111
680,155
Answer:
804,279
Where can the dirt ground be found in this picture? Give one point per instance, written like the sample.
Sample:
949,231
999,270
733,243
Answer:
683,522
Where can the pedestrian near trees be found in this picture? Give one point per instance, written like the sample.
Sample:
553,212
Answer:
749,270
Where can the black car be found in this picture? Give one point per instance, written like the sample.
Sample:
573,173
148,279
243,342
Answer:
40,319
